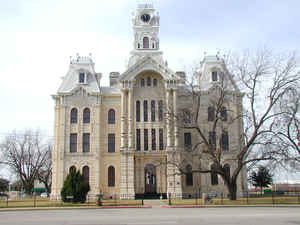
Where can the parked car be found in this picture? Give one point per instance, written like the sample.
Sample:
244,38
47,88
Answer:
44,195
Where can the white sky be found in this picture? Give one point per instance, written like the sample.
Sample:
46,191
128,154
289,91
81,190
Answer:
38,36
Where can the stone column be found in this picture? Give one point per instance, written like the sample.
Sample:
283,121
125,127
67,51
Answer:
96,142
130,120
123,119
168,121
175,120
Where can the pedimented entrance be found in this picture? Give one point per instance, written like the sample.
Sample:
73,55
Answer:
150,179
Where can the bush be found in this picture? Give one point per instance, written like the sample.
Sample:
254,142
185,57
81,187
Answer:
75,188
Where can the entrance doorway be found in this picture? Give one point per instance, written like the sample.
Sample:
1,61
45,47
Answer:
150,179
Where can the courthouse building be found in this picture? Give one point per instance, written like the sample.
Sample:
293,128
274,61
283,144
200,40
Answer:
121,136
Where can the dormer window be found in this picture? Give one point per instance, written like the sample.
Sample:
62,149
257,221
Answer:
214,76
81,78
145,42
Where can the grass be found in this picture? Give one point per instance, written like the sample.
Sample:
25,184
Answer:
239,201
45,202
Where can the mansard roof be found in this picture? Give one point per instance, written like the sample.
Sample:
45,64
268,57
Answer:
70,80
148,63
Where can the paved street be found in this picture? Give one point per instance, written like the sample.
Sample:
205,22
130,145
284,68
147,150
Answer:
155,216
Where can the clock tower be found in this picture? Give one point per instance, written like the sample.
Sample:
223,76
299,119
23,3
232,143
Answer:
145,23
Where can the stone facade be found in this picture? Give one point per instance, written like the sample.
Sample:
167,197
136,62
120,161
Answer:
122,134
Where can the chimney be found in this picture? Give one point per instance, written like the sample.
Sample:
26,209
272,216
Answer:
181,74
114,78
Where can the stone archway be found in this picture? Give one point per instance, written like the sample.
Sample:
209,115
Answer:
150,179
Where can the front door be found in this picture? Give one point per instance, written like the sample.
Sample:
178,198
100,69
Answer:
150,179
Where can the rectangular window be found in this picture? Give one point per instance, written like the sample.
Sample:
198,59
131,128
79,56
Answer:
73,142
145,139
138,112
86,142
81,78
161,139
145,111
160,110
111,142
225,141
214,76
138,139
187,141
212,137
153,136
152,111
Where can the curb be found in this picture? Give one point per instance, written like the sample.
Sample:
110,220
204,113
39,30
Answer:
126,207
230,206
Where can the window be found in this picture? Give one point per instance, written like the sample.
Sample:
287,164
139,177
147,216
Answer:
145,139
148,81
152,45
214,175
211,113
223,112
138,111
152,111
73,142
74,113
212,138
86,115
153,137
225,141
214,76
145,42
145,111
86,174
189,176
227,170
72,169
111,176
142,82
186,116
155,82
187,141
111,142
161,139
81,78
160,110
86,142
138,139
139,45
111,116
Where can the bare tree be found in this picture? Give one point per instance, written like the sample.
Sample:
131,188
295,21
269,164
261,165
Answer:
26,154
45,172
252,84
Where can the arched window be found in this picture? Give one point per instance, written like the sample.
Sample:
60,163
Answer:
214,175
148,81
138,111
86,115
211,113
225,141
145,42
145,111
155,82
160,110
223,113
227,170
74,113
86,174
214,76
142,82
189,176
152,110
111,116
72,169
111,176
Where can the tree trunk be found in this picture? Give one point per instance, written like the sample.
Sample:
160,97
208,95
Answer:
232,188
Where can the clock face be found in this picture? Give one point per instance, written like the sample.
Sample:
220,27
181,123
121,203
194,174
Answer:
145,18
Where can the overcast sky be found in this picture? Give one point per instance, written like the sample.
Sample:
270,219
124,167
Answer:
38,37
